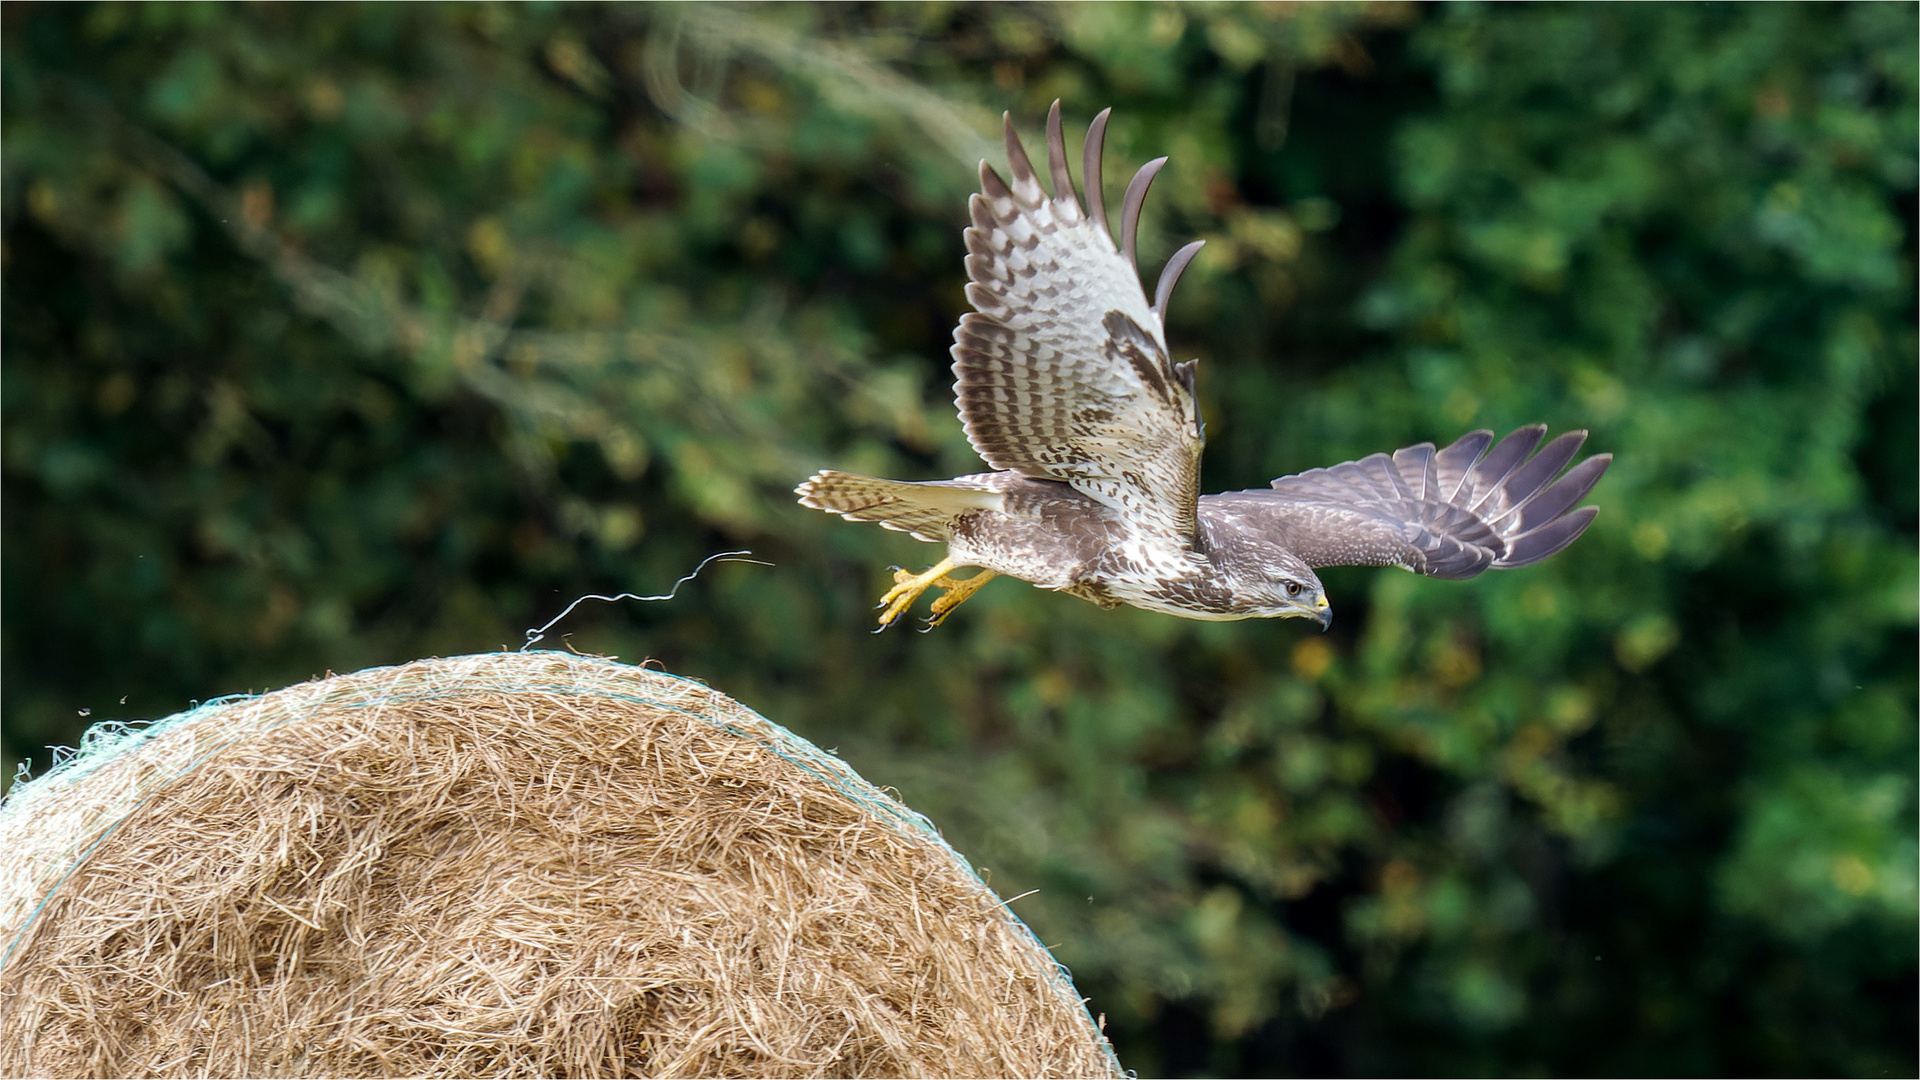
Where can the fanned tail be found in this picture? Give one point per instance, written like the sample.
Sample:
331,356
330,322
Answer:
923,510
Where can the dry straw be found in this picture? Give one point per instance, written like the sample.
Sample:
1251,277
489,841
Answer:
524,864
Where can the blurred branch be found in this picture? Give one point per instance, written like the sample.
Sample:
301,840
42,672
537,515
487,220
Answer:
661,75
1276,101
843,72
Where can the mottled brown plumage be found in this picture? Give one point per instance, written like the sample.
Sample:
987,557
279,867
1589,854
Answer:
1065,388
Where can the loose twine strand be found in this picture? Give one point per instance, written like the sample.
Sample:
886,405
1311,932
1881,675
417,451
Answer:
534,637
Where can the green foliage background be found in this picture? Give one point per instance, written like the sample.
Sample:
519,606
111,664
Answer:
343,335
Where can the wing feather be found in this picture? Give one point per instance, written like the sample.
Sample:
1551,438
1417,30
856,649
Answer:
1486,476
1170,277
1556,499
1449,513
1061,372
1450,466
1415,466
1130,207
1090,167
1057,154
1551,537
1529,480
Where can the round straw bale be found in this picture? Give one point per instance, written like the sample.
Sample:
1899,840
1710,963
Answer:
506,865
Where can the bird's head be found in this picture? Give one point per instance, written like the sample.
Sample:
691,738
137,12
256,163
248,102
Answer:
1291,590
1270,582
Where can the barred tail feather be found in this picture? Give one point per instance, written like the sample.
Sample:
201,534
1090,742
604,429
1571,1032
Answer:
925,511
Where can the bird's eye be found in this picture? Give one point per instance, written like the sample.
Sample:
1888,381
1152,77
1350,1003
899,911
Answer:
1293,588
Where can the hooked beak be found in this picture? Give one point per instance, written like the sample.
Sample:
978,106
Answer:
1322,613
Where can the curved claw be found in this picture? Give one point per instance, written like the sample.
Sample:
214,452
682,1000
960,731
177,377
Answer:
907,587
956,594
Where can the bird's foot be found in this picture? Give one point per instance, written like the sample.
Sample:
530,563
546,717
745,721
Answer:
954,593
907,587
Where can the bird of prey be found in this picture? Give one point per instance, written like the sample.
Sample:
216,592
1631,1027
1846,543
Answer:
1065,389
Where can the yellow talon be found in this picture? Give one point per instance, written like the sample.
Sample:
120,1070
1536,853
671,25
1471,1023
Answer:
956,594
907,587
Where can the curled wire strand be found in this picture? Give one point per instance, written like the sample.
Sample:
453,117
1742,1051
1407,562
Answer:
534,637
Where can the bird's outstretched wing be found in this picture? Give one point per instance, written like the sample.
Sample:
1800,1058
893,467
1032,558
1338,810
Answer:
1062,371
1444,513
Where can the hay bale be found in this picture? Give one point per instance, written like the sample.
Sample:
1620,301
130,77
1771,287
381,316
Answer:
506,865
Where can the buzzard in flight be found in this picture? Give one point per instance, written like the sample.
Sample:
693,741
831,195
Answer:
1065,389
